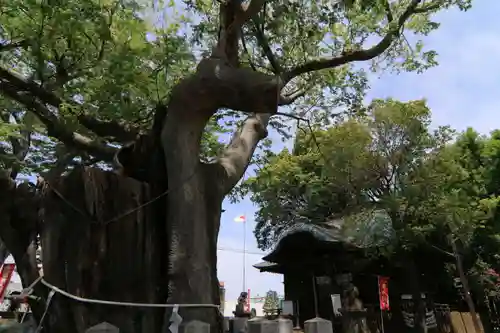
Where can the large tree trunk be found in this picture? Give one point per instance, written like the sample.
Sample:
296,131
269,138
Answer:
194,209
89,252
4,252
19,228
196,190
419,308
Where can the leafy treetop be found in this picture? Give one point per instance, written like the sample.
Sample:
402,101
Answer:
88,74
386,158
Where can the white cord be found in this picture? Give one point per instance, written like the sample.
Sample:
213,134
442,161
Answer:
30,288
24,316
99,301
49,298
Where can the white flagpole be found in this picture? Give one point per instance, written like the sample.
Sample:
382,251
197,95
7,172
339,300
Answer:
382,321
244,251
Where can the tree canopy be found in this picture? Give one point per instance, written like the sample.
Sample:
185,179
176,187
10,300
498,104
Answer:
90,73
271,303
387,164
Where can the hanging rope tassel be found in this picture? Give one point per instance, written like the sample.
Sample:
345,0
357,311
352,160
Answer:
175,320
49,299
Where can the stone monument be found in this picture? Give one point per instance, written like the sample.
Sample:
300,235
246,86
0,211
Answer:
240,311
353,312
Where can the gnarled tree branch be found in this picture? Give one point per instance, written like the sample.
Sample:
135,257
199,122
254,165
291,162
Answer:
109,128
360,55
31,87
239,89
264,44
13,45
293,96
244,90
239,152
220,85
247,12
56,128
233,14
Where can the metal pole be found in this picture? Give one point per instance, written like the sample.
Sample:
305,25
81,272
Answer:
297,316
382,320
244,252
315,295
381,312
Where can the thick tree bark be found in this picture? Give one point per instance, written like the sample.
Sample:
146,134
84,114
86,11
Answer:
193,226
89,252
419,307
4,253
18,227
196,190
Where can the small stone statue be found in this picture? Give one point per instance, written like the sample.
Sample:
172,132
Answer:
239,311
353,311
351,299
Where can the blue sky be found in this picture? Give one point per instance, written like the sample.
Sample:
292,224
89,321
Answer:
460,92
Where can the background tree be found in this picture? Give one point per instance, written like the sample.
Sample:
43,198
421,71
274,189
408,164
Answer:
87,78
479,154
385,165
271,303
384,158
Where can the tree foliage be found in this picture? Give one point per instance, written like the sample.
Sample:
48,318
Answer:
387,167
92,58
479,154
103,66
271,303
385,158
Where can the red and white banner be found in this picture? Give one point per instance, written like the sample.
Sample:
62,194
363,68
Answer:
5,275
383,292
247,305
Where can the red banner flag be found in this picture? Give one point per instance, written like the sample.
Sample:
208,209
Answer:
383,292
247,305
